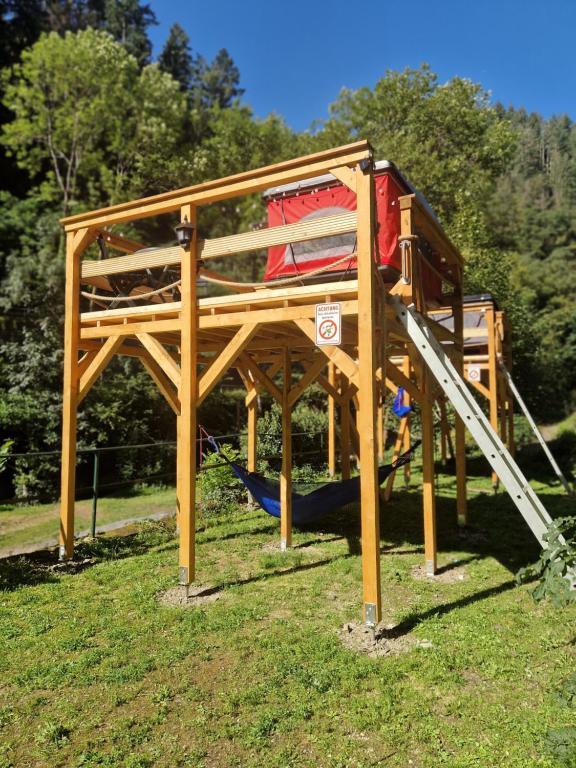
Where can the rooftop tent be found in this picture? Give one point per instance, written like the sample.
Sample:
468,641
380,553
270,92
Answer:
474,319
326,196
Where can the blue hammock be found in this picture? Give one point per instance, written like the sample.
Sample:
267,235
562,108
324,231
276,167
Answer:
310,506
398,406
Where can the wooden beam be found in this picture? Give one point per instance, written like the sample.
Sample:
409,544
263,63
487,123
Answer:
131,329
224,360
346,175
309,377
342,361
101,360
164,359
162,382
223,189
188,391
262,377
367,396
428,491
344,431
230,245
74,244
286,471
331,421
272,315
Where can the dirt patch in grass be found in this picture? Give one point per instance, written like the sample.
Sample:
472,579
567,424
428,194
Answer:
448,574
378,641
271,546
189,597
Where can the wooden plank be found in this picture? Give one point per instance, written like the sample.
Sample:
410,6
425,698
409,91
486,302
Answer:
162,382
121,243
263,316
262,377
85,361
331,421
222,189
492,378
398,443
164,359
311,229
367,396
335,354
399,379
230,245
332,391
346,175
74,245
309,377
344,431
286,470
428,492
256,388
188,392
101,360
224,360
131,329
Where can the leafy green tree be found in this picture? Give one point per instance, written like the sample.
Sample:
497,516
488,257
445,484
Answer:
86,120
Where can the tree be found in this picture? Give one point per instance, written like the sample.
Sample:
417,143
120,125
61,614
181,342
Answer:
176,57
219,82
86,120
128,21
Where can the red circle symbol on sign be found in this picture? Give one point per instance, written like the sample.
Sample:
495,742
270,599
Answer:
327,329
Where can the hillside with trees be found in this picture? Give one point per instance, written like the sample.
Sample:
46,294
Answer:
88,119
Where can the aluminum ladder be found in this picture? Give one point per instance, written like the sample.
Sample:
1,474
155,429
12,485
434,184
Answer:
465,405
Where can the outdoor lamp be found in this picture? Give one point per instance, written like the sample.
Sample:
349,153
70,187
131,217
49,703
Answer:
184,232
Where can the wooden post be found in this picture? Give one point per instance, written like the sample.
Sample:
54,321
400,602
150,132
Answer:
344,431
492,378
429,497
178,471
331,423
188,395
74,243
407,435
510,417
286,472
459,428
252,435
368,399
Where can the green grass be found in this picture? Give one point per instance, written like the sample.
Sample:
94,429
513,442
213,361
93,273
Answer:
95,672
28,525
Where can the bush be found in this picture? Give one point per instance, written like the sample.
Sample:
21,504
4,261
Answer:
556,568
219,488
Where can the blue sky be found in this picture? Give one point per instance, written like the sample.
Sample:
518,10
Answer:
295,56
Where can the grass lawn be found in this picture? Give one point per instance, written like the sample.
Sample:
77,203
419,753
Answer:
28,525
95,672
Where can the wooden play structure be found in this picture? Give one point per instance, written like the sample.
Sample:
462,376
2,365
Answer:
381,309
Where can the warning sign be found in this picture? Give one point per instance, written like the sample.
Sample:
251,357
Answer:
328,324
474,373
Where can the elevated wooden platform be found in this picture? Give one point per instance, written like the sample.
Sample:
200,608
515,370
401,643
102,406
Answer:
266,332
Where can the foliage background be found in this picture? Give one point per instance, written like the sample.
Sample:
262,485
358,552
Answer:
87,120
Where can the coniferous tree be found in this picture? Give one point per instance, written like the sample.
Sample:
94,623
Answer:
128,21
220,81
176,57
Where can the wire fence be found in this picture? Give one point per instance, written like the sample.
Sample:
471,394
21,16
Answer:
99,467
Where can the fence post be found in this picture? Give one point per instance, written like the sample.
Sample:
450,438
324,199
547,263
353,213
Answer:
95,478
